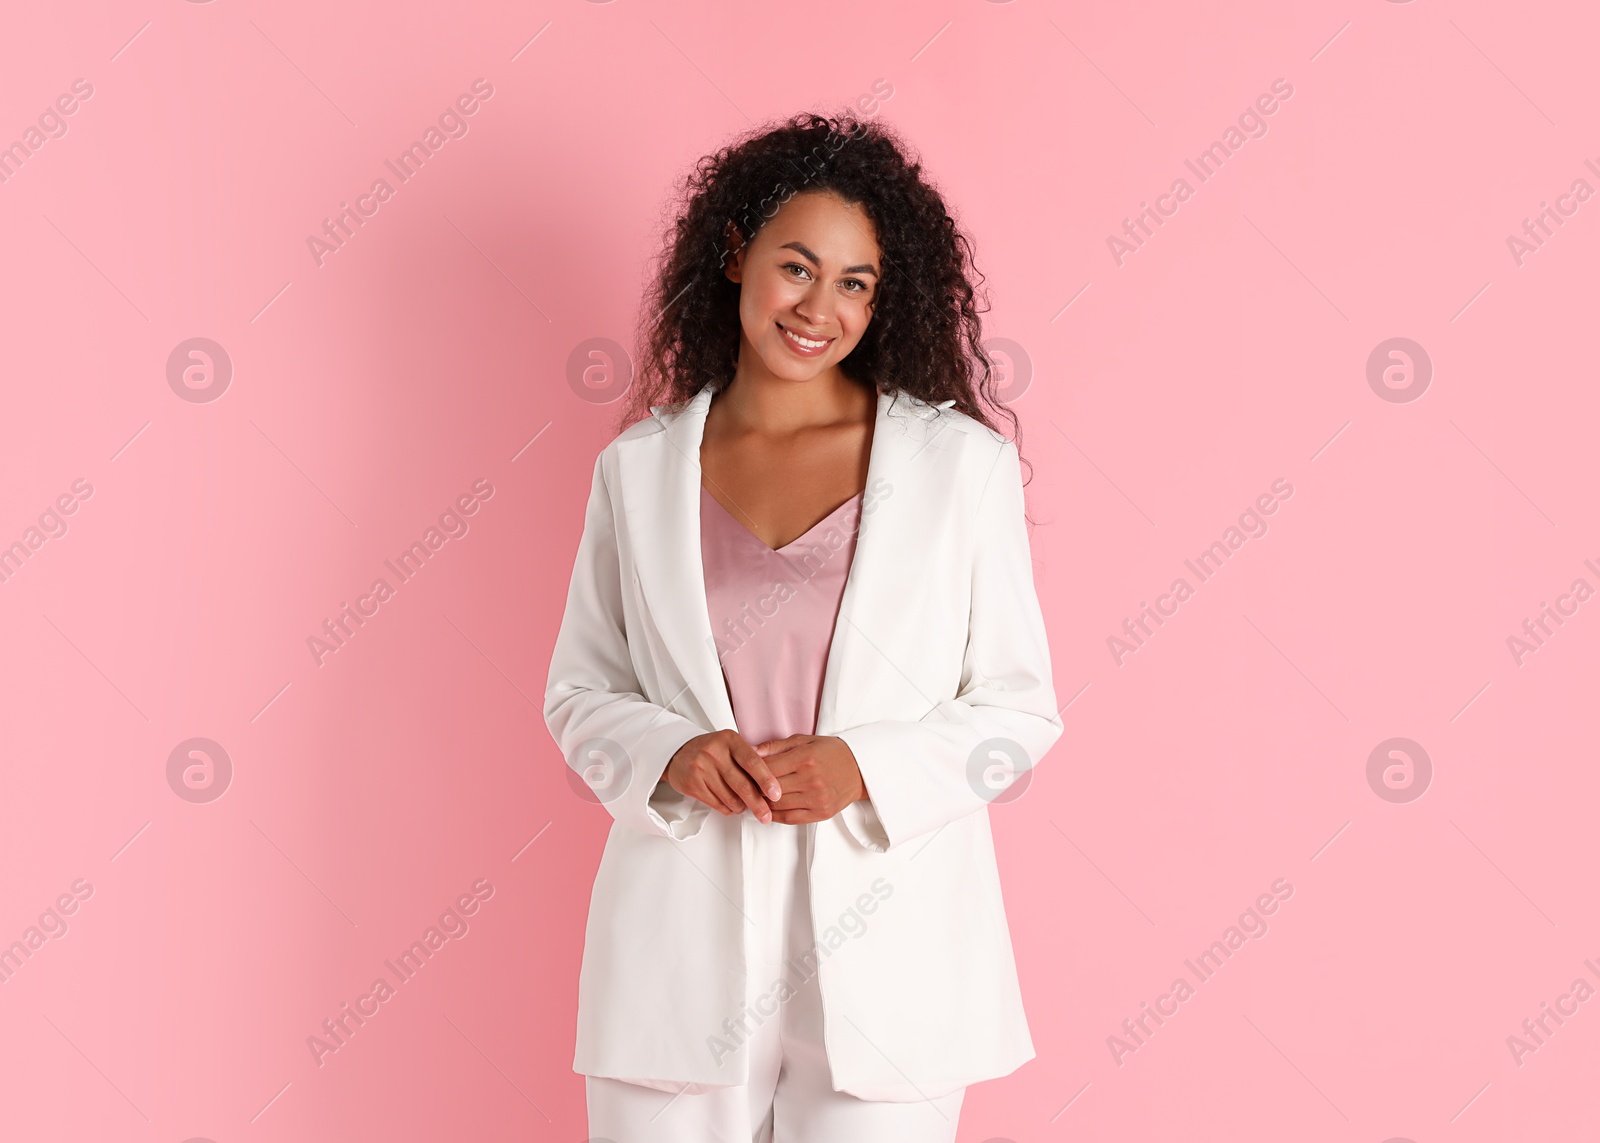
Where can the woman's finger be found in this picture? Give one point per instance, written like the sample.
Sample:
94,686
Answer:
745,790
692,767
756,766
715,793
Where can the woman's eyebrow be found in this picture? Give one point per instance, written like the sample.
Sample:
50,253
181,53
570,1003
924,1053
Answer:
864,268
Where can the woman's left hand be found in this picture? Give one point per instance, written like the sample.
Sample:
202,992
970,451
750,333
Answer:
818,775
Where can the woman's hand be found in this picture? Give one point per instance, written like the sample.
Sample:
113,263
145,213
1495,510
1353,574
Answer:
722,770
819,777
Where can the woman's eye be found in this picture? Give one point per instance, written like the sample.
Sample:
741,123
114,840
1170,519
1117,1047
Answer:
860,286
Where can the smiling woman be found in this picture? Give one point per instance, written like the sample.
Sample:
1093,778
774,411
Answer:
799,363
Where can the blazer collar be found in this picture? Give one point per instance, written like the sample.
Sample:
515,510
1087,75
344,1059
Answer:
660,479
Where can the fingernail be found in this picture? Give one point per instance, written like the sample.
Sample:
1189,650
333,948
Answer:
774,791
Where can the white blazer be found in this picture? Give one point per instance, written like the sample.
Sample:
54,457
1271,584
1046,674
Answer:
938,677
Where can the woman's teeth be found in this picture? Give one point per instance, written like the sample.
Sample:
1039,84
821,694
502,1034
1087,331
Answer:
803,343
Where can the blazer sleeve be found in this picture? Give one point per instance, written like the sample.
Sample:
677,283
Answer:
610,734
921,775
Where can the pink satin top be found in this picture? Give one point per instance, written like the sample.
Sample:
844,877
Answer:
773,612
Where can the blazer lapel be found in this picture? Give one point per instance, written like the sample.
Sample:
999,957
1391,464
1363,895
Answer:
660,474
661,510
909,474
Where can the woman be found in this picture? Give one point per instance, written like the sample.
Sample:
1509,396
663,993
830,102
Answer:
801,654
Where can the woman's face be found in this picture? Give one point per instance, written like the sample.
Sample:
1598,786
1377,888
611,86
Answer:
811,271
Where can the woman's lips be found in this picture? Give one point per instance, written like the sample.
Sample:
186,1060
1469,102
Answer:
802,350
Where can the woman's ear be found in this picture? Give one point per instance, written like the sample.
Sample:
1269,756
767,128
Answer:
733,255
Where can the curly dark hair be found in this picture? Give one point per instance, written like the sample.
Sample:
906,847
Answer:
924,337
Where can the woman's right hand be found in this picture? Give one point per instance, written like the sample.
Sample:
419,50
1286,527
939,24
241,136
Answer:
724,771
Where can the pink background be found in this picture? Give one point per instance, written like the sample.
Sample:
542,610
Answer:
1166,394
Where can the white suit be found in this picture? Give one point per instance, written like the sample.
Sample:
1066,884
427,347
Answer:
938,678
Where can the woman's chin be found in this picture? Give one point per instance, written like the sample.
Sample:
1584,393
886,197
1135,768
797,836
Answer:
794,369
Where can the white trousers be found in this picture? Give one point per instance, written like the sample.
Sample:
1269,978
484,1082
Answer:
790,1097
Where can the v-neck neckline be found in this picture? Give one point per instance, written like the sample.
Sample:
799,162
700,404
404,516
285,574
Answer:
706,495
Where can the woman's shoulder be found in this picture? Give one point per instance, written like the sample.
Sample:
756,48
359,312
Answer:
658,418
645,426
940,416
